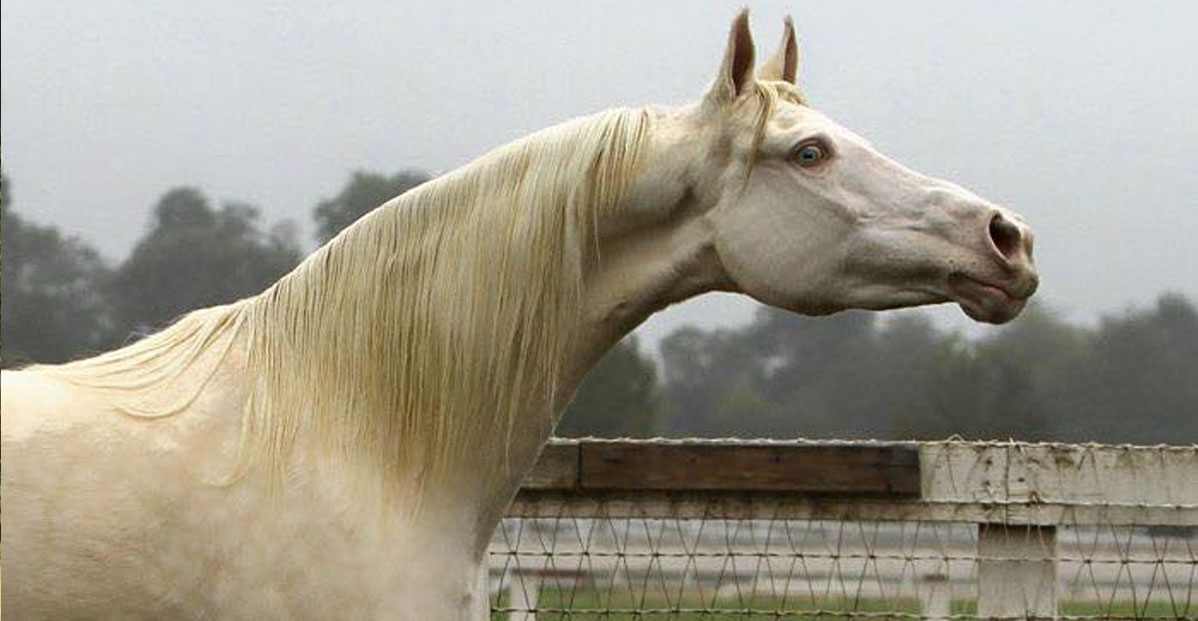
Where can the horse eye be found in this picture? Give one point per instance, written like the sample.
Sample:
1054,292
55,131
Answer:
810,154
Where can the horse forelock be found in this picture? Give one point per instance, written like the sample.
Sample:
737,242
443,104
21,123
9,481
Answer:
768,95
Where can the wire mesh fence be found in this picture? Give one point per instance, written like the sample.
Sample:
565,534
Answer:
1043,552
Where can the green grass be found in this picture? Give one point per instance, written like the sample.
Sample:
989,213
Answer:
1124,609
620,606
623,606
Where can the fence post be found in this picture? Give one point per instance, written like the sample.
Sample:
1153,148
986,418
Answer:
935,597
525,590
1017,571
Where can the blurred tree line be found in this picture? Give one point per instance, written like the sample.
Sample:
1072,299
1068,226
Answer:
61,300
851,375
862,375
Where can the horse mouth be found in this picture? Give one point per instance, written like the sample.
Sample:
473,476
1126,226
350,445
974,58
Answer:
984,301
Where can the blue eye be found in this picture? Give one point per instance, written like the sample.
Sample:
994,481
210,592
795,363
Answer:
810,154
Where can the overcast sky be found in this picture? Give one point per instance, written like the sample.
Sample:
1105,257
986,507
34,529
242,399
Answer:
1079,115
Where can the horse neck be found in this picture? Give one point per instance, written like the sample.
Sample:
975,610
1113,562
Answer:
643,264
637,275
657,249
653,248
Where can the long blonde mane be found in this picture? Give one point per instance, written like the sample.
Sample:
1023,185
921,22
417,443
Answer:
432,322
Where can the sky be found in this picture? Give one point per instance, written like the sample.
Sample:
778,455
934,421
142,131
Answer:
1079,115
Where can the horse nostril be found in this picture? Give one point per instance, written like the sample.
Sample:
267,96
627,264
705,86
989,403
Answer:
1005,236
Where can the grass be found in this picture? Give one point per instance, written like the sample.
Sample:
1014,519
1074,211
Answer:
620,606
556,604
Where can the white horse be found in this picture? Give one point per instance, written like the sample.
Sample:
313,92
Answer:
343,444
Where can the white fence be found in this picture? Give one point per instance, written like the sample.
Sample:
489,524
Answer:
943,530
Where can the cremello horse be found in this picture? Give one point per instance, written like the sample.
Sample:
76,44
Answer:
342,445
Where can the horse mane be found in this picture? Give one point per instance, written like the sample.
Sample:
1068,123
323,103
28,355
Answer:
432,322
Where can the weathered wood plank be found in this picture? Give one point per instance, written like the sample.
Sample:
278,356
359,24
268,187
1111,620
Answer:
556,468
1009,483
1074,474
774,467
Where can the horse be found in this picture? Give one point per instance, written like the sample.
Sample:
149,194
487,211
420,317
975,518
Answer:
343,444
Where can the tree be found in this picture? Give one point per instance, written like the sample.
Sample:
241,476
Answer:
1040,378
991,388
916,374
619,398
52,308
1134,381
195,256
363,192
780,376
704,370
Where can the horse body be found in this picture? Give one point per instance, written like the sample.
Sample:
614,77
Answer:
125,518
343,445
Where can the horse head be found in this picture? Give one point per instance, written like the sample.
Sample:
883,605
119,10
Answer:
807,215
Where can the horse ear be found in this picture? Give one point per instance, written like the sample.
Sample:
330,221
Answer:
784,64
736,71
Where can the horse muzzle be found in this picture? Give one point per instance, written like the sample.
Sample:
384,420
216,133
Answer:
1000,291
